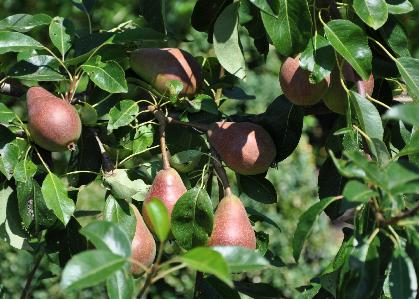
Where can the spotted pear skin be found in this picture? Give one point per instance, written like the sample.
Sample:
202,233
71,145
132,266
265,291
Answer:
54,124
245,147
143,246
231,225
167,187
157,66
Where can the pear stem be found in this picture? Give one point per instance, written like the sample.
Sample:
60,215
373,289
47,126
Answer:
220,171
161,118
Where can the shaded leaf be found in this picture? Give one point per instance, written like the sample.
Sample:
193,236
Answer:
241,259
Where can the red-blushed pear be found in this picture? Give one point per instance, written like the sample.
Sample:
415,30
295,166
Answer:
296,86
54,124
167,187
245,147
157,66
231,224
143,246
336,98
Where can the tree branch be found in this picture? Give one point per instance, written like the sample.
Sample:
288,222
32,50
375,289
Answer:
220,171
401,216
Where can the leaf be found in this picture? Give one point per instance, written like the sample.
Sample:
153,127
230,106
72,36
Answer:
84,5
122,114
60,32
90,268
17,42
24,170
9,157
119,212
358,192
143,138
269,6
394,35
226,41
408,113
106,235
6,115
305,224
121,185
284,122
24,22
350,41
203,102
56,198
37,68
316,59
409,70
368,116
208,260
258,188
192,218
399,6
241,259
255,215
159,218
186,161
290,31
403,279
374,13
120,285
87,113
154,13
108,75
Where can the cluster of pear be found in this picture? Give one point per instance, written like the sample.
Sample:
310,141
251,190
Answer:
296,86
245,147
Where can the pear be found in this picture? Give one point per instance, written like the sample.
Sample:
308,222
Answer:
295,83
143,246
54,124
336,98
231,225
167,187
157,66
245,147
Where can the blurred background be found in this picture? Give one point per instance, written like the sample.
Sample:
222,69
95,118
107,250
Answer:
295,179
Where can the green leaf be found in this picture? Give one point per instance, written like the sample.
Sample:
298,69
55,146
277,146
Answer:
60,32
396,7
192,218
9,157
6,115
394,35
374,13
358,192
24,22
143,138
208,260
203,102
17,42
408,113
255,215
403,279
108,75
121,185
120,285
37,68
226,41
185,161
268,6
305,223
24,170
106,235
122,114
154,13
241,259
159,217
88,114
350,41
291,30
409,70
368,116
120,212
258,188
316,59
90,268
56,198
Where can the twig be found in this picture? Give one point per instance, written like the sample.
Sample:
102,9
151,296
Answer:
220,171
401,216
151,274
161,118
25,292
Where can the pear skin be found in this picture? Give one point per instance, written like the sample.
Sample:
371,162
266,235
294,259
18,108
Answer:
143,246
54,124
157,66
245,147
167,187
295,83
231,225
